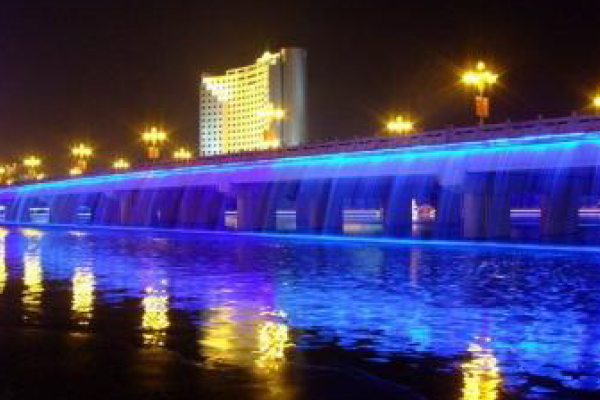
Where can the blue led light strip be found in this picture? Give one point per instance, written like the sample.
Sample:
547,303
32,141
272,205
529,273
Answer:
531,143
401,242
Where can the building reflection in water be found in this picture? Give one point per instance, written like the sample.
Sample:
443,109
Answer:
155,319
32,274
83,295
481,375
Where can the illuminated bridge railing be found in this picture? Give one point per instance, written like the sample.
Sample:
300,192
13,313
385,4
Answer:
542,127
535,127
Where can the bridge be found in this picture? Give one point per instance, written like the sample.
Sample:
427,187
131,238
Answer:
472,176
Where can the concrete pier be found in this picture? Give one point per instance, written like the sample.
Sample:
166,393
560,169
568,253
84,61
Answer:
486,207
201,208
256,207
559,209
320,207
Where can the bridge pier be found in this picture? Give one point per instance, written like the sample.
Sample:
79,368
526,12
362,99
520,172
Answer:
559,210
256,206
449,205
397,208
164,207
486,205
63,209
108,210
319,207
11,212
201,207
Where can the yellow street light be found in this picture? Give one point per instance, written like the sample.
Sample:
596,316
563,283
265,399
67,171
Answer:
480,78
399,125
81,152
7,173
182,154
596,102
154,138
32,163
121,164
75,171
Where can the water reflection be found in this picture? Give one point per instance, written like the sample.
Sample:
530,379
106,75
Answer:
273,339
390,301
244,330
3,268
32,275
220,343
83,295
155,319
481,375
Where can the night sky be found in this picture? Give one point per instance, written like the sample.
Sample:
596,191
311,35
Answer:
100,70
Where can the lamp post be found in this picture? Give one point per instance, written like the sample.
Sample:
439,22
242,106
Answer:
182,154
596,103
399,126
481,78
7,173
31,163
121,164
75,171
82,153
154,139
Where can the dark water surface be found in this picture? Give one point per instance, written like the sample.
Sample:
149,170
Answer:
109,314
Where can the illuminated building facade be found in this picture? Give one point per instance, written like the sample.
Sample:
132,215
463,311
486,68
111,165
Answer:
256,107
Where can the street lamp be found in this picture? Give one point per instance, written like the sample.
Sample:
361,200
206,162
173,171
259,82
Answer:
32,163
81,152
399,125
481,78
75,171
182,154
7,173
121,164
154,138
596,103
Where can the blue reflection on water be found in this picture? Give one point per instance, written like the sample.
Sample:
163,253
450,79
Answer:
537,311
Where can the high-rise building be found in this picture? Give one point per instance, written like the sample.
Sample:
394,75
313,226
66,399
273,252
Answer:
256,107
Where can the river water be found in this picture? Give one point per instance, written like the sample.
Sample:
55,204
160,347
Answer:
136,314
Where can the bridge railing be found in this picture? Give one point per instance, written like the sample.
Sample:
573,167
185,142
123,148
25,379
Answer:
554,126
574,123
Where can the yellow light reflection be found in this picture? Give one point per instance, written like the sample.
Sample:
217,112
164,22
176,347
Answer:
83,295
33,281
3,269
273,339
3,275
219,345
481,375
257,342
32,233
155,320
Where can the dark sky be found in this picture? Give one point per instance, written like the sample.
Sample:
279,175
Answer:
102,69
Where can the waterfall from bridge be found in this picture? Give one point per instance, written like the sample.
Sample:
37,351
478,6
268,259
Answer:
475,189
